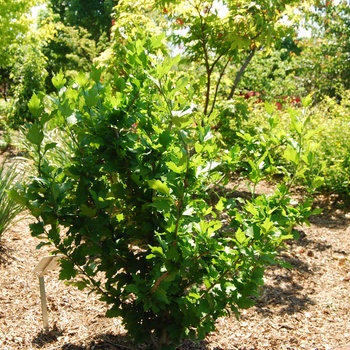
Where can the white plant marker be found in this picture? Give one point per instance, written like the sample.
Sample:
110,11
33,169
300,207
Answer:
45,264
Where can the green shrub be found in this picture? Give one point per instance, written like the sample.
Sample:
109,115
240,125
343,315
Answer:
135,208
277,145
334,146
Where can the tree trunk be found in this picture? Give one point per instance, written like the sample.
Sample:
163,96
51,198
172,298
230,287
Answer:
240,73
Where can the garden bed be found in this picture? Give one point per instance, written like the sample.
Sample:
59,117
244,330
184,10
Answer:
307,307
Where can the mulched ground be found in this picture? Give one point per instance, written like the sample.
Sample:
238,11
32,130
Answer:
307,307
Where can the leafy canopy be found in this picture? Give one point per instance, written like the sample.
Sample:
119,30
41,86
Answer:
93,15
15,22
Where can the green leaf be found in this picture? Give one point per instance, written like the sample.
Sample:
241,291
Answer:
42,244
165,138
173,254
120,84
113,312
91,97
59,80
178,169
180,85
270,108
82,79
166,66
132,288
182,118
311,133
162,205
160,294
317,181
87,211
296,124
35,106
34,134
291,154
240,236
65,109
37,229
198,147
193,295
250,208
158,251
49,146
67,270
81,285
150,256
267,225
306,101
317,211
17,196
245,303
95,74
157,41
159,186
220,205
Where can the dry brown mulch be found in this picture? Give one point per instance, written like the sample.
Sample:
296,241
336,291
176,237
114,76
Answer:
307,307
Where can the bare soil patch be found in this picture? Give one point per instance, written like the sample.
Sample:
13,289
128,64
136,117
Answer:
306,307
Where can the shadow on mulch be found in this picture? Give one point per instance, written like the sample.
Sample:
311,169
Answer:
48,336
309,244
284,291
335,207
289,298
103,342
5,255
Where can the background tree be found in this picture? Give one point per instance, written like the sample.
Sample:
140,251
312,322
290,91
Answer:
273,74
66,48
13,25
93,15
324,62
217,37
77,31
28,74
218,41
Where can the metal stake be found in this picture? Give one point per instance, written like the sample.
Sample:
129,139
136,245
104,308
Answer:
43,302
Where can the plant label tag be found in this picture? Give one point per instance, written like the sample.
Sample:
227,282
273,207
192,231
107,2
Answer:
47,263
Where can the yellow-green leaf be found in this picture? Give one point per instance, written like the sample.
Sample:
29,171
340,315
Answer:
159,186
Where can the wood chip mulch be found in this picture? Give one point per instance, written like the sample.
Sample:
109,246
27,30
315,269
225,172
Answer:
307,307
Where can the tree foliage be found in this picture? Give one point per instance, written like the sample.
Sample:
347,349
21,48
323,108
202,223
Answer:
324,62
67,48
13,25
217,45
93,15
28,74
